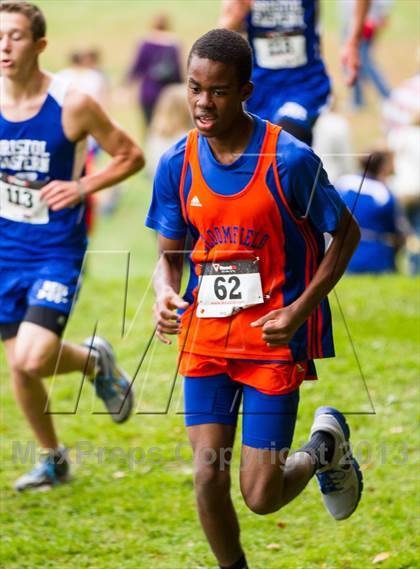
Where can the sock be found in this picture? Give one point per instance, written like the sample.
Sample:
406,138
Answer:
59,457
240,564
94,354
321,448
54,454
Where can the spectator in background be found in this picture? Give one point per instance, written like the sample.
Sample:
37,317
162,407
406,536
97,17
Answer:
376,20
377,211
333,144
402,108
85,75
170,121
402,122
156,64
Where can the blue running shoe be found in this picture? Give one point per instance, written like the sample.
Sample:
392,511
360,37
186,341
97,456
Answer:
51,470
340,481
112,384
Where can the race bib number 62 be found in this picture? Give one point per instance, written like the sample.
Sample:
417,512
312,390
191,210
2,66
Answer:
228,286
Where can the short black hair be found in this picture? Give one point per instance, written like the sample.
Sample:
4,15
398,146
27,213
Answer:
227,47
373,162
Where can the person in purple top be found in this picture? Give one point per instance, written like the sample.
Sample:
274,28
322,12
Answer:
156,64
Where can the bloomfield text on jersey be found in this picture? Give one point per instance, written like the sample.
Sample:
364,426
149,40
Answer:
233,234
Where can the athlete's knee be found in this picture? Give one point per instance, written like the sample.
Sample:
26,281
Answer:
36,355
262,498
261,503
31,363
210,478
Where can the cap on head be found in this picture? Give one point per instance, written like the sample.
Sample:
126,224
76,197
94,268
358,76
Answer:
32,12
227,47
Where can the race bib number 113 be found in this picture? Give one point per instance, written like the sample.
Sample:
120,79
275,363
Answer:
280,51
21,202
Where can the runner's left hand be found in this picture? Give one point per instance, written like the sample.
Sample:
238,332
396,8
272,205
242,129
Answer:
278,326
60,194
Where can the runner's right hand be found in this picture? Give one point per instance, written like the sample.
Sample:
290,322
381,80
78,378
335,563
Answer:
164,311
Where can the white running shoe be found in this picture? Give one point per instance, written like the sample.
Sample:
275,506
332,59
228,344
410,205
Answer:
341,480
112,384
52,469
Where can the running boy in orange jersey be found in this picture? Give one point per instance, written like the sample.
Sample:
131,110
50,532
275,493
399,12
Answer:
255,313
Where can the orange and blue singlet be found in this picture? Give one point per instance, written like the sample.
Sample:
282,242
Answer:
251,208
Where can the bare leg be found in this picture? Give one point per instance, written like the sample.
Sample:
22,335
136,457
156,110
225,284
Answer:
39,348
31,356
269,480
299,470
212,486
32,398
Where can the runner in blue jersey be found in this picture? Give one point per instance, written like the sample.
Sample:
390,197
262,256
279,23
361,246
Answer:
43,130
377,211
292,86
242,187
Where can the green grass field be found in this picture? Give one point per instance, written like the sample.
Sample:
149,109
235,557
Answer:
131,503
